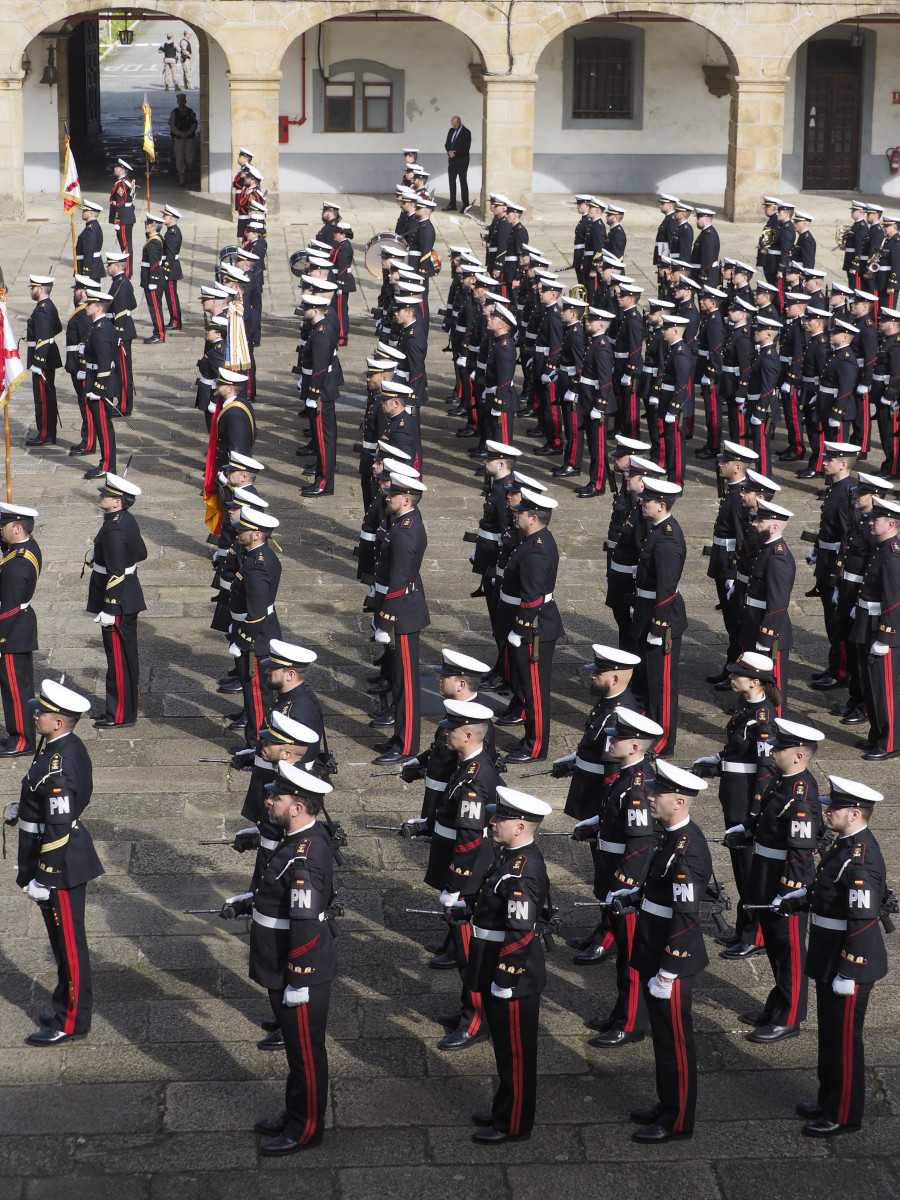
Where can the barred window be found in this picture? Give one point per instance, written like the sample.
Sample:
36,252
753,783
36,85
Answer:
340,107
602,79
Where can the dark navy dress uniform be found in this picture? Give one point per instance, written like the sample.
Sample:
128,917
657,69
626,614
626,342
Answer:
659,611
20,569
589,766
254,622
43,361
121,217
89,251
115,590
123,305
765,619
103,386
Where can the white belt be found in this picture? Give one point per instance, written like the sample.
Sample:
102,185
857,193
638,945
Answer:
754,397
590,382
491,537
382,588
511,258
579,246
742,578
731,370
518,599
30,827
436,785
225,585
621,354
271,922
727,543
612,847
370,445
243,616
667,387
306,370
656,910
830,546
770,852
75,349
850,578
365,536
827,391
872,607
488,935
204,382
810,378
542,349
703,353
751,603
785,358
444,832
25,606
824,922
645,595
592,768
738,768
31,345
500,572
624,569
778,252
103,571
268,844
128,204
881,378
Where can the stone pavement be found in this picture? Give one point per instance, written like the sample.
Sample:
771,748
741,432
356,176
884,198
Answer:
160,1100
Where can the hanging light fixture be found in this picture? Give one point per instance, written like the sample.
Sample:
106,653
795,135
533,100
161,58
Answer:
856,37
126,35
50,76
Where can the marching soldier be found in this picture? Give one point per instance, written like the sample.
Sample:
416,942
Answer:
89,245
506,965
121,209
784,827
669,953
153,279
43,359
20,569
765,620
171,265
102,383
56,858
115,595
123,306
846,956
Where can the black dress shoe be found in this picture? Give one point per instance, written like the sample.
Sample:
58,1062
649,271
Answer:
47,1017
316,490
718,677
303,451
587,493
741,950
272,1041
271,1125
281,1146
757,1018
646,1116
809,1109
456,412
854,717
381,747
51,1037
37,441
442,962
450,1020
826,683
391,756
172,325
704,452
12,752
436,947
546,451
659,1134
595,953
231,688
807,474
78,451
450,208
616,1037
382,720
236,715
507,720
791,456
483,1119
766,1034
522,756
726,939
492,683
602,1025
310,470
153,341
237,724
376,689
864,743
494,1137
458,1039
107,722
562,472
880,755
94,473
823,1128
269,1024
468,432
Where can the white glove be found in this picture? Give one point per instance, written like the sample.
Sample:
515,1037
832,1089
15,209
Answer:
761,648
565,758
546,379
710,759
653,401
592,821
756,420
705,380
625,380
843,987
235,651
461,361
786,388
729,588
834,596
382,636
501,993
620,892
571,396
12,812
449,899
834,422
295,996
736,829
105,619
513,638
853,612
670,419
811,556
660,987
653,640
880,649
873,409
862,389
472,555
798,892
596,415
38,371
37,891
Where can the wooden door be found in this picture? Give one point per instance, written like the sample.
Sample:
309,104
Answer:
832,117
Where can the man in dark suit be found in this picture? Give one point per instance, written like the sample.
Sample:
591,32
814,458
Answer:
458,145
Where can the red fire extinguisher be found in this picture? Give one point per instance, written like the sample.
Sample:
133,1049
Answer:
893,156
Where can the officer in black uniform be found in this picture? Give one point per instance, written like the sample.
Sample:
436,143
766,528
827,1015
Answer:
834,526
78,326
121,209
506,963
319,390
124,304
403,612
882,578
529,613
501,398
20,569
885,394
342,270
659,614
784,827
102,382
43,359
728,536
710,348
846,955
153,279
89,244
171,265
254,621
292,953
56,858
669,953
671,397
594,386
765,619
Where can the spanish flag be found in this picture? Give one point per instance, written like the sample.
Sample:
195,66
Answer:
71,187
149,148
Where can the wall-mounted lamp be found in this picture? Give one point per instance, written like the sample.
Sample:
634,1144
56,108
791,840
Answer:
50,76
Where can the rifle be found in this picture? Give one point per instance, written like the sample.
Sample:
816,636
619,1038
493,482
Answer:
202,912
216,842
378,774
889,907
387,828
224,762
338,837
532,774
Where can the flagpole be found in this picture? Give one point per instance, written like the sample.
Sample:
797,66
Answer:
147,162
74,255
6,438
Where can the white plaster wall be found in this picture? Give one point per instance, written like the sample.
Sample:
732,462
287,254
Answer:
221,170
42,165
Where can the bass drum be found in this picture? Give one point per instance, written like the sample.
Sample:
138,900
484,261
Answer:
299,263
374,247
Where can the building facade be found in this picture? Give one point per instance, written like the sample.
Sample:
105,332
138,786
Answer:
728,100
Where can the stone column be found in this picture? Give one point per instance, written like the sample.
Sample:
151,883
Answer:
254,124
507,138
12,147
755,143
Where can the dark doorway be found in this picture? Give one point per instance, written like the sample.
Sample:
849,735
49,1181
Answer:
832,116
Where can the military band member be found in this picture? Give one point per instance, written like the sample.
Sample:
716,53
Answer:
506,963
43,359
153,279
20,569
56,858
765,619
888,281
102,382
121,209
342,268
767,238
123,306
244,158
846,955
669,953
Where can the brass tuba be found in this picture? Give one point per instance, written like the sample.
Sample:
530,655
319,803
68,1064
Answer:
767,238
842,236
874,263
577,292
